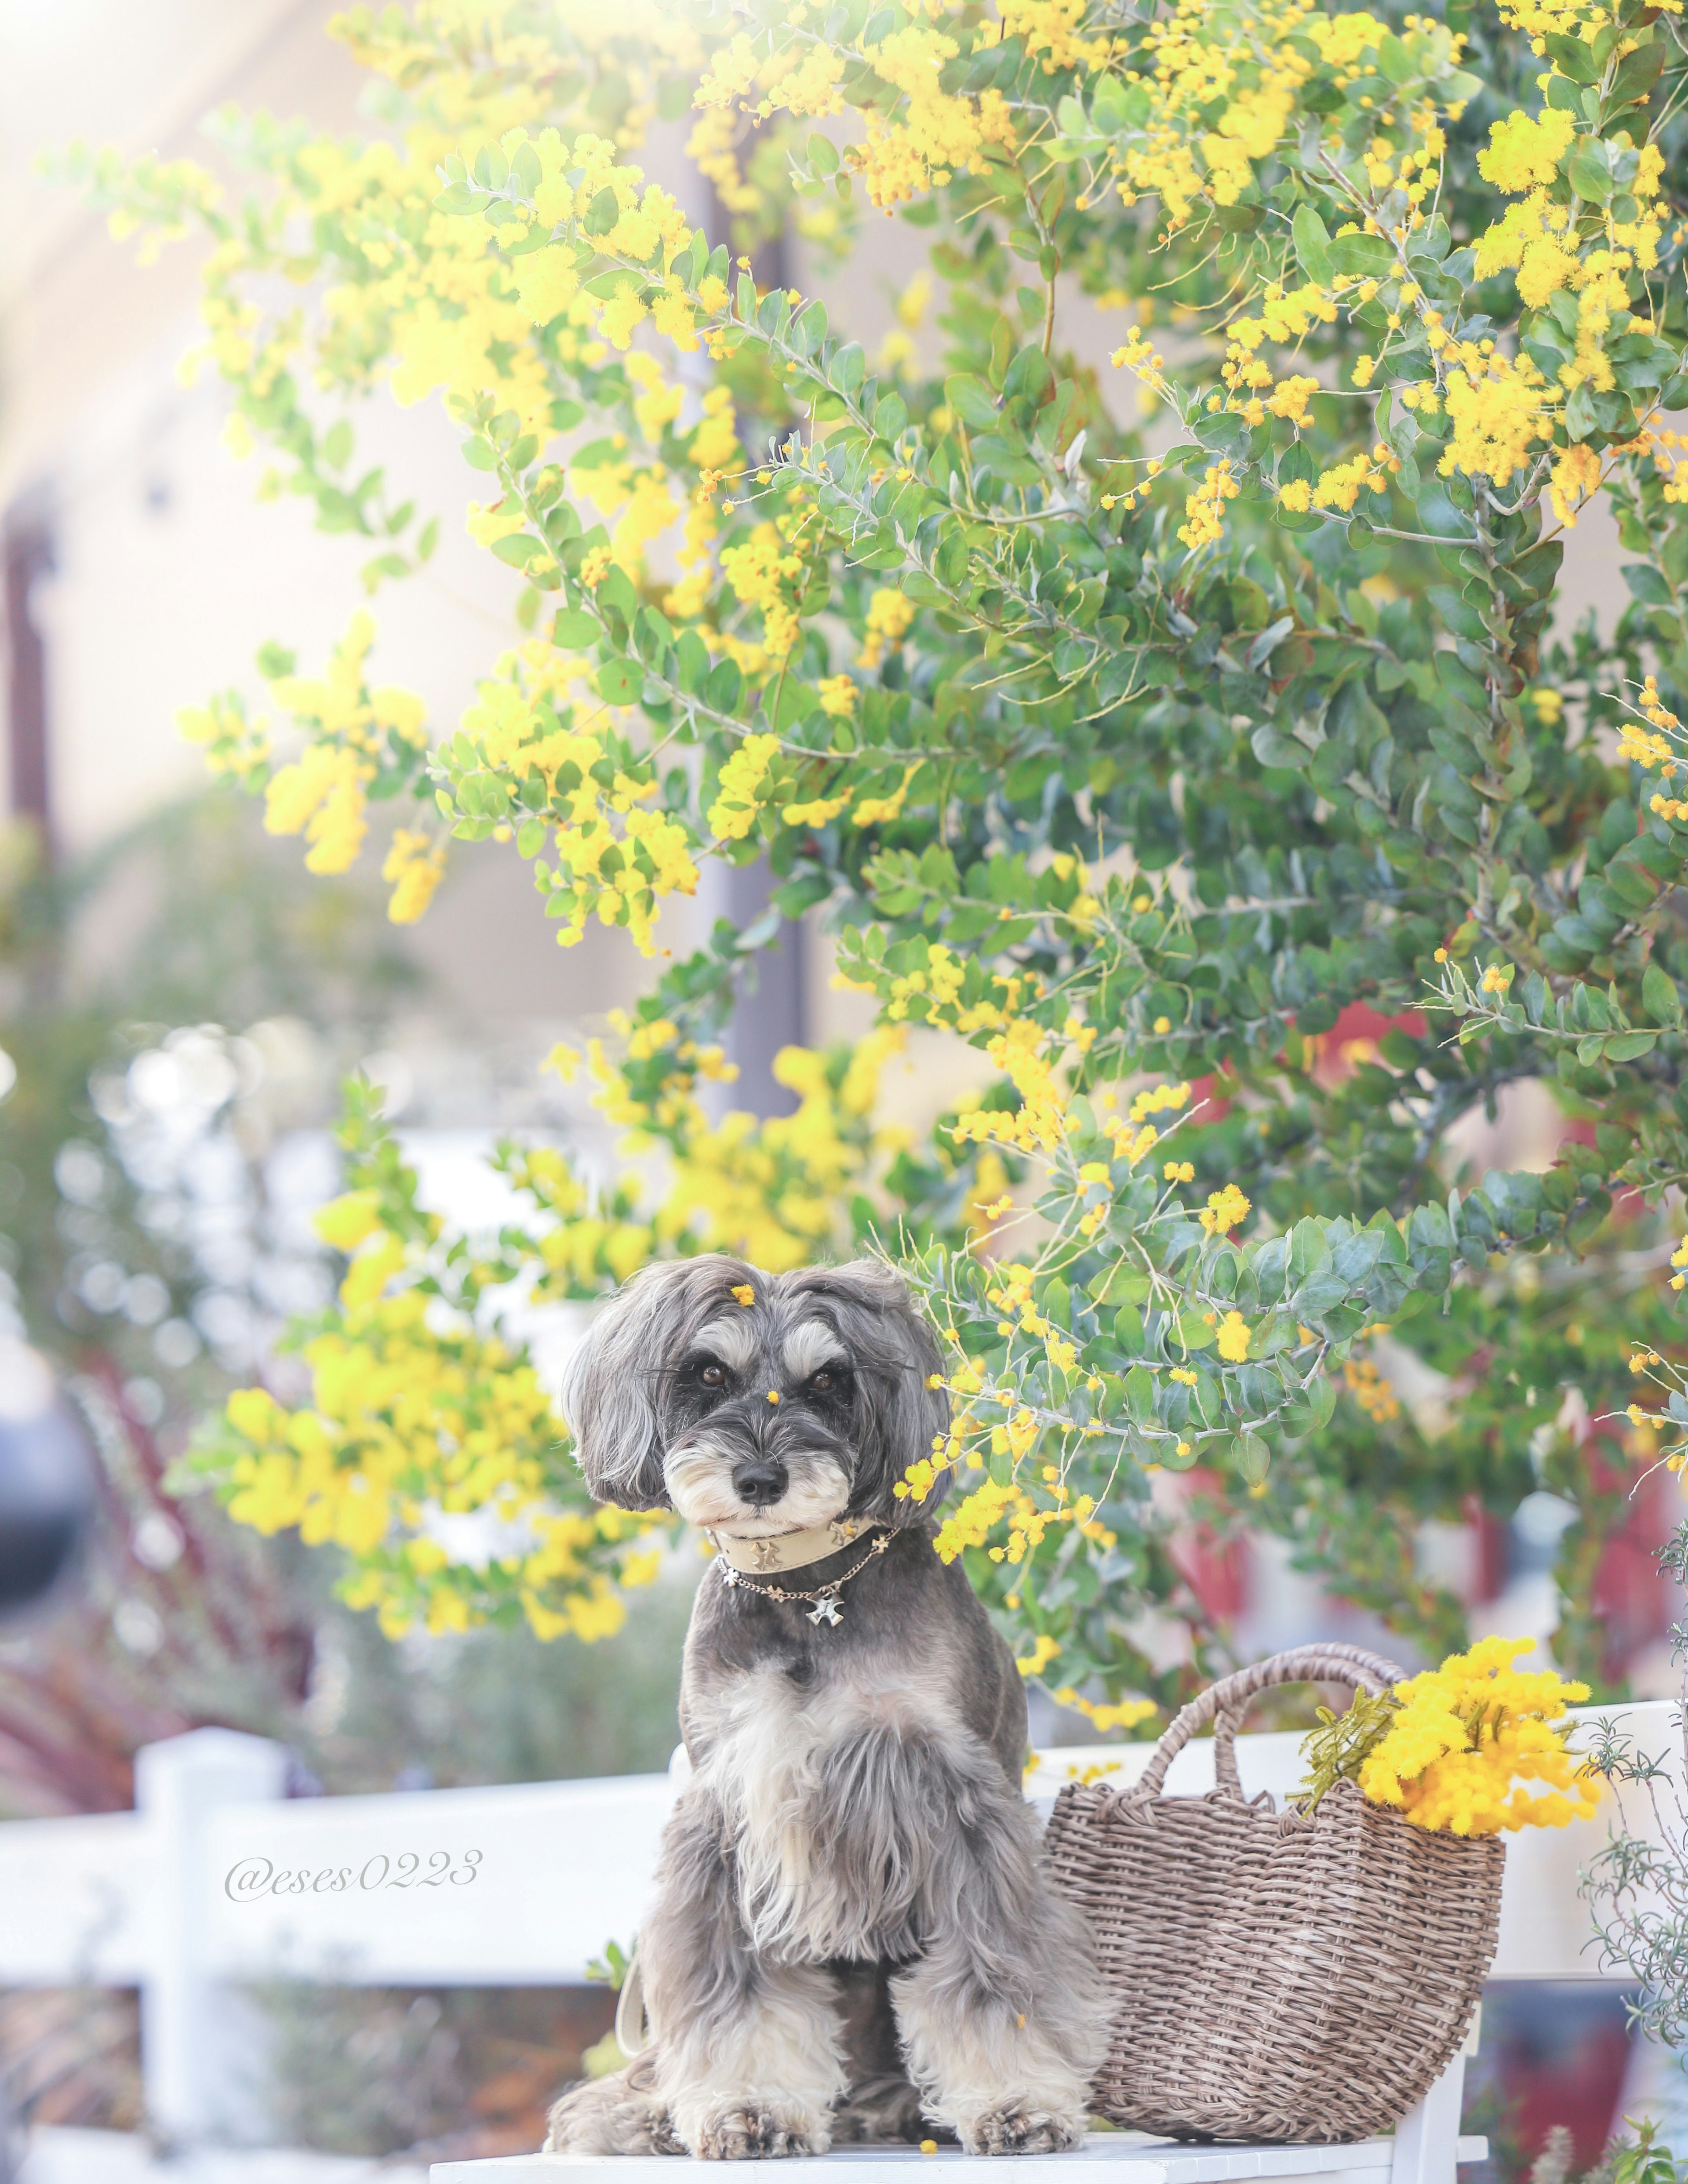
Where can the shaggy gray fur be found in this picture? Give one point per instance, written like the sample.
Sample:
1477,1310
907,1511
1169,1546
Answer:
854,1936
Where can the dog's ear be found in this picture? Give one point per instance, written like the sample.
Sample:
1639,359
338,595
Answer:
611,1381
896,1355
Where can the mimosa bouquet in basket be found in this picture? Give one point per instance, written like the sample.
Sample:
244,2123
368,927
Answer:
1306,1975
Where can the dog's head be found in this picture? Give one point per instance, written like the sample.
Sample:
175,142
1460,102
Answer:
806,1403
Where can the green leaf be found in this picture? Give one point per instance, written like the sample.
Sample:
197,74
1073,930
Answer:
1312,245
1251,1457
1636,73
1128,1331
1646,584
1140,1395
1575,60
848,369
693,655
1272,748
575,629
725,687
1590,174
619,681
808,329
972,402
602,213
823,156
1662,1002
1360,257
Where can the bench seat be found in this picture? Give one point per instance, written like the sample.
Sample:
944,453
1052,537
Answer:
1107,2157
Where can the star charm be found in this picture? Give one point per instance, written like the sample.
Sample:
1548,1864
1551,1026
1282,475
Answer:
825,1611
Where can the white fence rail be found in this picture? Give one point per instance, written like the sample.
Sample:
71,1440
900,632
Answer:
217,1880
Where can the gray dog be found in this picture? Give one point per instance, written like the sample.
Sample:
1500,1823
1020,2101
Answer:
854,1938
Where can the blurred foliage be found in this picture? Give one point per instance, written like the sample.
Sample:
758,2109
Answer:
458,2072
158,1173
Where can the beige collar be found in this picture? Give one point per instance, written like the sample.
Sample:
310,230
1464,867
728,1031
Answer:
790,1550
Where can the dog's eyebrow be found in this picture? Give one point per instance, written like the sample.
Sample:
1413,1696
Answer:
810,1346
731,1340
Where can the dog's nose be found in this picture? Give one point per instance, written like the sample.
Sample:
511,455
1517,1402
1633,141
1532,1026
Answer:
760,1481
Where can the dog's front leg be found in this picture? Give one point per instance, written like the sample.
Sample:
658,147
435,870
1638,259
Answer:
1002,2016
748,2055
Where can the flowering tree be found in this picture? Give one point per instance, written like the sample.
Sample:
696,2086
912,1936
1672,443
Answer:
1132,770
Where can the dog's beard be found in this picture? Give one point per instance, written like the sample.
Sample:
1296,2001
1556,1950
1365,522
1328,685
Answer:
699,1476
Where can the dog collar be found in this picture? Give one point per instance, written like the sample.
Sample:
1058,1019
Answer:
788,1550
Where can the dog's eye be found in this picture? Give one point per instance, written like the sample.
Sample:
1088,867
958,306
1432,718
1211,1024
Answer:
823,1382
713,1376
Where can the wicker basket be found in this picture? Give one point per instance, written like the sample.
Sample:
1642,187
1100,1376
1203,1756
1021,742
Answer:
1276,1978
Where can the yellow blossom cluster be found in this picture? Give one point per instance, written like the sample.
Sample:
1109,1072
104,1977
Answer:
1039,1123
931,135
1375,1395
770,1191
1541,20
1468,1738
766,575
235,747
322,794
1125,1714
1279,317
404,1424
1204,522
994,1505
889,616
1224,1209
1656,745
615,858
1219,103
738,798
414,867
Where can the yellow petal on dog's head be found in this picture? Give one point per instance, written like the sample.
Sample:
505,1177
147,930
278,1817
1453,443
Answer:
746,1294
773,1394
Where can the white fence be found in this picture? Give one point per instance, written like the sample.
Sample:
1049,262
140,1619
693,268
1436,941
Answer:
217,1880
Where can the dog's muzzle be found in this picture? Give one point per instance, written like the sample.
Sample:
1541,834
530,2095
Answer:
760,1481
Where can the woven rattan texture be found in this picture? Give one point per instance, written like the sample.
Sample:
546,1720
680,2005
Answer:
1275,1978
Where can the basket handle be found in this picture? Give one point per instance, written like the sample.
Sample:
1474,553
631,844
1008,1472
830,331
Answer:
1226,1702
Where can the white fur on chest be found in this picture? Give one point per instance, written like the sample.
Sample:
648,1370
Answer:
822,1875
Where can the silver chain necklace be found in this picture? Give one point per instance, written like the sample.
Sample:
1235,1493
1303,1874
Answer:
825,1609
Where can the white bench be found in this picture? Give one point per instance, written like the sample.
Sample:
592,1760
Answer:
1105,2157
218,1880
1543,1928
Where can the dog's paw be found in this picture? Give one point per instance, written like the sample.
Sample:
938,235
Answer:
607,2115
750,2133
1018,2129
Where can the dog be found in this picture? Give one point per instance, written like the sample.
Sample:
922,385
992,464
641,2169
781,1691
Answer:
854,1939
